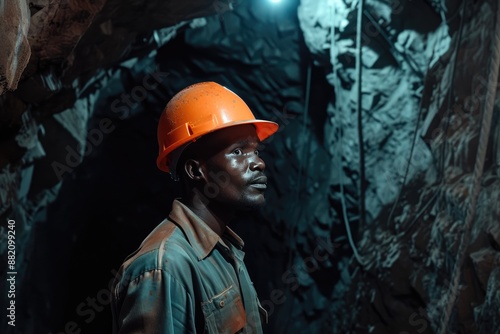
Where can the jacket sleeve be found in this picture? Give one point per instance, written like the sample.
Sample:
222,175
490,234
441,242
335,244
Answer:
154,303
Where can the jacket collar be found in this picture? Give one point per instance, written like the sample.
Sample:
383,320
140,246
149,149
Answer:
201,237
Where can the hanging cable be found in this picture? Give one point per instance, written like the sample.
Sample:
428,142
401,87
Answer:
337,85
484,133
358,257
304,158
448,119
362,208
305,153
418,120
407,169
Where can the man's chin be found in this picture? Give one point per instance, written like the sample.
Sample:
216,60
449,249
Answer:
251,205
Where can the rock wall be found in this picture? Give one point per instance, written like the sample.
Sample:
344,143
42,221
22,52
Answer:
427,247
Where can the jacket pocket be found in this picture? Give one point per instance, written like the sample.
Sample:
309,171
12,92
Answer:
224,313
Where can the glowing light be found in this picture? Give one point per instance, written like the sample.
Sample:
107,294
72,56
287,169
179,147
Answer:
275,1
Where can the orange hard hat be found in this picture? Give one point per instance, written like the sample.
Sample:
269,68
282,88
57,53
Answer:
197,110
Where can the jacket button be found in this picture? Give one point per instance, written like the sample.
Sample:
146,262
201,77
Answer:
221,303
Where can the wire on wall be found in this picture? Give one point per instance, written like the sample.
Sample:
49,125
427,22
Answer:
305,152
362,207
358,257
304,159
441,174
448,119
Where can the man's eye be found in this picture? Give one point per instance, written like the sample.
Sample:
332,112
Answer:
257,152
238,151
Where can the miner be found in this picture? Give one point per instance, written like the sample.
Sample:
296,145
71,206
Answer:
188,275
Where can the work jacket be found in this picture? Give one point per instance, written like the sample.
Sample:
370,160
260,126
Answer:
184,278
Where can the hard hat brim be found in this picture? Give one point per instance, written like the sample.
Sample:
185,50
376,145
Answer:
264,129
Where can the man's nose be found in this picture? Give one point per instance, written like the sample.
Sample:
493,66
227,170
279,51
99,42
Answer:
257,163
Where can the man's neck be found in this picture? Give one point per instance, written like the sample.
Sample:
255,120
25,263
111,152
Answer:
213,214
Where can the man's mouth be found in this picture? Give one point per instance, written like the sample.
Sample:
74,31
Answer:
259,182
259,185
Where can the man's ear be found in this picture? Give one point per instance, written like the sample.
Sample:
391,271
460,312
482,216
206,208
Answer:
194,170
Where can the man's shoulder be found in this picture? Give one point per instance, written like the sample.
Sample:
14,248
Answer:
165,247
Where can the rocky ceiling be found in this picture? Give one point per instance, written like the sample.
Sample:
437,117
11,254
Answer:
51,50
382,211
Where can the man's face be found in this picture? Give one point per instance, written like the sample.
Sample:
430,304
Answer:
233,168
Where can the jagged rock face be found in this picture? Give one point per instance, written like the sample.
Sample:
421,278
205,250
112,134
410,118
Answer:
51,49
399,201
423,96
